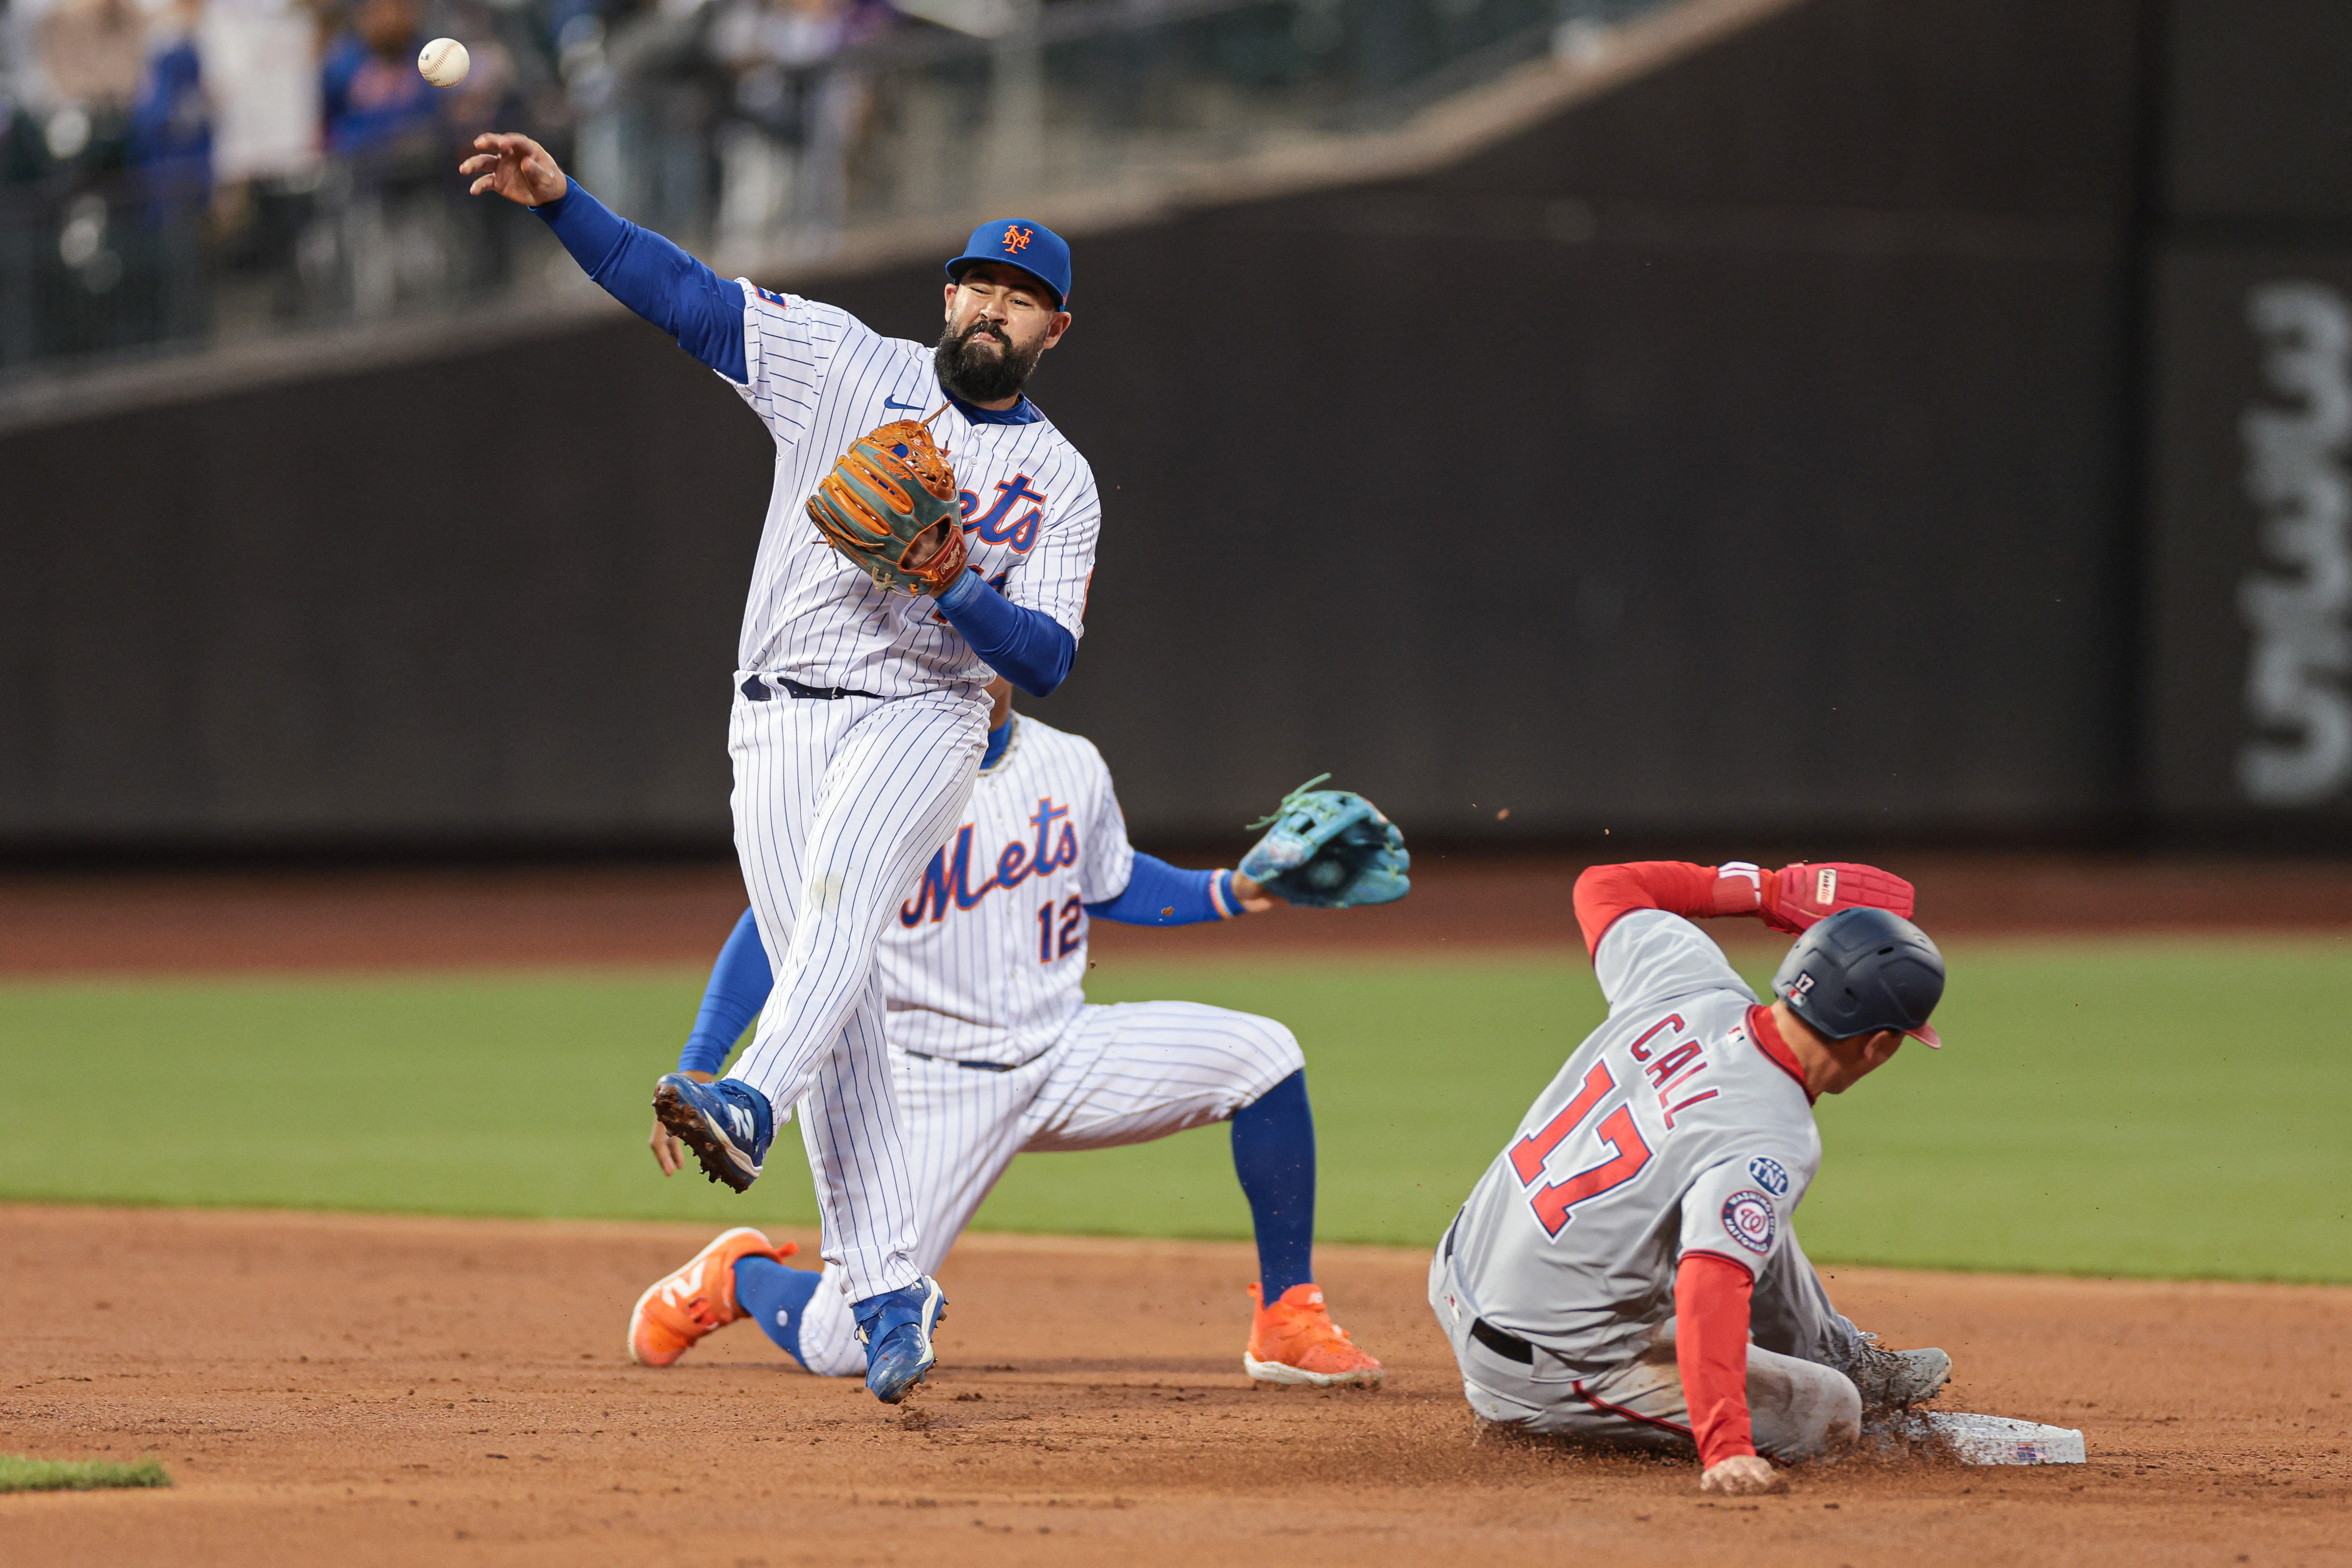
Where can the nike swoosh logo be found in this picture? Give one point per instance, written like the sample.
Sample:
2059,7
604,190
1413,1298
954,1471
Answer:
889,403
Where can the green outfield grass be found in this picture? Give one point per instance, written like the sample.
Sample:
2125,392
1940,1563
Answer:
2155,1108
19,1473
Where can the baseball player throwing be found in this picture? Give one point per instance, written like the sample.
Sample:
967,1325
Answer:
928,527
1605,1277
996,1050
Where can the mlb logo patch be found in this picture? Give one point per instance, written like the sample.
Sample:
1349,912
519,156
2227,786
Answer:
769,295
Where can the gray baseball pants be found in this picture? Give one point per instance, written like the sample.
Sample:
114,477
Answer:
1799,1405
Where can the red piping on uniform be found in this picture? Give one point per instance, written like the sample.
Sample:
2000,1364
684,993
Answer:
1766,1033
1619,1411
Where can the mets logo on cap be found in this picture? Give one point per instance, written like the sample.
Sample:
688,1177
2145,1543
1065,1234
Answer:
1023,242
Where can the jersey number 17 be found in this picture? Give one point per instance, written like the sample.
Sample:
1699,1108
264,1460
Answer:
1628,1153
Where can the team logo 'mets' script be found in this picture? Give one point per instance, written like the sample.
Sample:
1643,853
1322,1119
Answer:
1750,1217
1016,238
1013,519
948,879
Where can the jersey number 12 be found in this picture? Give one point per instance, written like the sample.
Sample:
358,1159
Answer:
1074,914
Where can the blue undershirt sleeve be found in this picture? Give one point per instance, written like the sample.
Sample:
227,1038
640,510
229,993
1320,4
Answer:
1027,647
1158,894
700,309
739,984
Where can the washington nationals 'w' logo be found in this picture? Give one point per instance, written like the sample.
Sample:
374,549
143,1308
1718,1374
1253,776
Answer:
1016,238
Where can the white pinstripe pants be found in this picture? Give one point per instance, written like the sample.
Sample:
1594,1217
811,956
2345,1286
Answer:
837,805
1124,1074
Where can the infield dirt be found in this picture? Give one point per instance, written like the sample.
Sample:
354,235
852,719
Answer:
364,1391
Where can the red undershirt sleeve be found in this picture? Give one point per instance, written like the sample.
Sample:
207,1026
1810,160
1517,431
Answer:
1711,1296
1606,891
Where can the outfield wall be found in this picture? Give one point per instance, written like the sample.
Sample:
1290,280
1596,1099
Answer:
2249,674
1757,448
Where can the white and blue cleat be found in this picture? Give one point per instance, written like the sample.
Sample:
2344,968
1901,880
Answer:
728,1124
895,1329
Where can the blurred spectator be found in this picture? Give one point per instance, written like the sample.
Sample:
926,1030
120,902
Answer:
94,53
785,159
260,61
170,119
487,100
90,55
376,103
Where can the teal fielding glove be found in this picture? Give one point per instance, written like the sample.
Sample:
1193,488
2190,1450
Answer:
1330,849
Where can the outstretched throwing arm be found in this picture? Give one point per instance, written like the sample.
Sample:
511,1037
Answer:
699,308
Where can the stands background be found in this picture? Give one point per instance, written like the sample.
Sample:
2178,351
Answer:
1782,443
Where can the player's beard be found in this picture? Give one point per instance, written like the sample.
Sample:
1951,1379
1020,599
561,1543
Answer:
978,375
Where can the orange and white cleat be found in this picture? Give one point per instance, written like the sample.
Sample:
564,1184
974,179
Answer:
1294,1341
682,1306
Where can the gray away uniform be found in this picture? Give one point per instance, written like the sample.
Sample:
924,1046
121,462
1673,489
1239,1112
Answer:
1670,1131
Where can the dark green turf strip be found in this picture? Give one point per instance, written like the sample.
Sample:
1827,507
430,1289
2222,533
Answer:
19,1473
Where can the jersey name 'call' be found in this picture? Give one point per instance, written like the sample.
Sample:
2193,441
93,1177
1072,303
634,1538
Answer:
819,379
1671,1130
987,959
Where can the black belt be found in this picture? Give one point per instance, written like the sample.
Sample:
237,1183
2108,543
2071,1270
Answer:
959,1062
756,688
1509,1346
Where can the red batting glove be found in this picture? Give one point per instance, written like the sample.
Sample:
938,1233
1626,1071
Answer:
1797,896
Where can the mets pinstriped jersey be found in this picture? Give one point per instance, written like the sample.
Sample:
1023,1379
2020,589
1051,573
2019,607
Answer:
819,379
987,958
1671,1130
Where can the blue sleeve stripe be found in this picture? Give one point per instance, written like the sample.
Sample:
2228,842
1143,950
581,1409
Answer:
701,310
1027,647
1158,894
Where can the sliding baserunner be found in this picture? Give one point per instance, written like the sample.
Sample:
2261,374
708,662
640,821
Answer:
997,1052
873,627
1606,1275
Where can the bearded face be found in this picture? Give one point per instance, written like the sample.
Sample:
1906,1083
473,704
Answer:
981,364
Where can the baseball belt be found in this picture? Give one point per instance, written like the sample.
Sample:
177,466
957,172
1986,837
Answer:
960,1062
756,688
1509,1346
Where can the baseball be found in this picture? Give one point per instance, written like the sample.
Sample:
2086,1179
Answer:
444,62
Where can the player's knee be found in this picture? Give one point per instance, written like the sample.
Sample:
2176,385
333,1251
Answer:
1275,1044
1801,1410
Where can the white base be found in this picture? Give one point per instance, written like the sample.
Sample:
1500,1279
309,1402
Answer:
1999,1441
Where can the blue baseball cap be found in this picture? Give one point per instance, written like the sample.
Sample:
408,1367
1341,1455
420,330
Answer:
1017,242
1861,970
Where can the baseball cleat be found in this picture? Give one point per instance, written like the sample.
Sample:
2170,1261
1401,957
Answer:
1294,1341
727,1124
1890,1379
689,1301
895,1329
